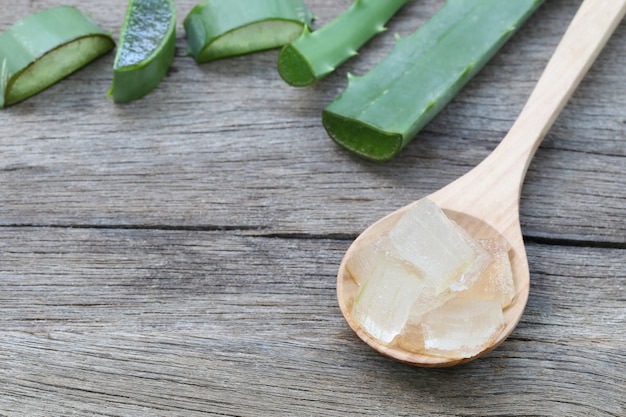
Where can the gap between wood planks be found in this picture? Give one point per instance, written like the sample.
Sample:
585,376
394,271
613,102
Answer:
257,231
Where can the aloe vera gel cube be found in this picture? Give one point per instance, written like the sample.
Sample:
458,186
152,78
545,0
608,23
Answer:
462,328
429,287
387,295
496,283
426,237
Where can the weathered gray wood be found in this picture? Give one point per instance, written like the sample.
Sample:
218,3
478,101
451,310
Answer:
174,157
176,256
132,322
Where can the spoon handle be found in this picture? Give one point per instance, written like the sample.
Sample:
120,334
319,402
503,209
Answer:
585,37
494,186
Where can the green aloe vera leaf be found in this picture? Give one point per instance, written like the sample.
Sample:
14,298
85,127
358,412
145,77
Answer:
381,111
146,50
46,47
316,54
223,28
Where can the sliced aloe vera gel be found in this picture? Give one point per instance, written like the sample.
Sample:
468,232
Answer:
316,54
429,287
223,28
146,50
46,47
381,111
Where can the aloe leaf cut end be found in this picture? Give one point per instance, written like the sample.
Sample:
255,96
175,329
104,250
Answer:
316,54
146,51
46,47
294,68
251,38
56,65
219,29
361,139
421,75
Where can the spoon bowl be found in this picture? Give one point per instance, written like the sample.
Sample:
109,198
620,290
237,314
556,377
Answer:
347,289
485,201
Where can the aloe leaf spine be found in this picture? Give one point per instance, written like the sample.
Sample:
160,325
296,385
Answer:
316,54
380,112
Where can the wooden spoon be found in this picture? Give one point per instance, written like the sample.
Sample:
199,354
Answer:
485,201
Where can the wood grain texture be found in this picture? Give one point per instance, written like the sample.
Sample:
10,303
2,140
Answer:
177,256
140,322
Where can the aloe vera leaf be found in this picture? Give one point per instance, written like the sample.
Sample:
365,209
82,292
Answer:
223,28
146,49
45,47
381,111
316,54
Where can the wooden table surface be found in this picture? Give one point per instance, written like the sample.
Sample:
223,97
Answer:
177,256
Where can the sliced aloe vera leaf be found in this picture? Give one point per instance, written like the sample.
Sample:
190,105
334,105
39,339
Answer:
316,54
46,47
223,28
381,111
146,50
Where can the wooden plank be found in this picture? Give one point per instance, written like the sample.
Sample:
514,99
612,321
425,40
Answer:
176,256
229,145
168,323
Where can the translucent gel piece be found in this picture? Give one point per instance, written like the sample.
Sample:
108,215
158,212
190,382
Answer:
482,260
425,236
462,328
386,297
362,262
254,37
496,283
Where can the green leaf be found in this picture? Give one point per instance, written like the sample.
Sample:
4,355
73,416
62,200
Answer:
381,111
46,47
147,48
316,54
223,28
